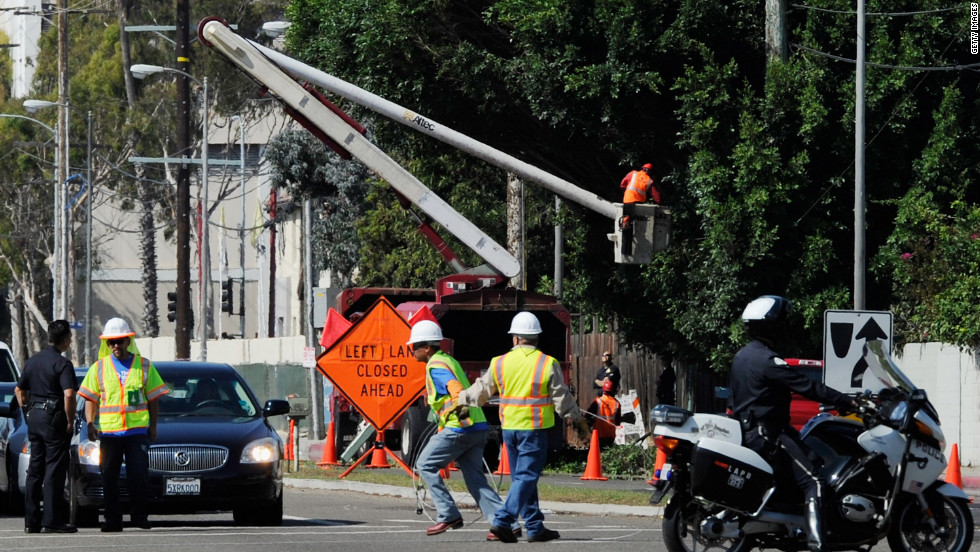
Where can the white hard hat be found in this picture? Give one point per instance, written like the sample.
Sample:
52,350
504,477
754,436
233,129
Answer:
425,331
115,328
525,323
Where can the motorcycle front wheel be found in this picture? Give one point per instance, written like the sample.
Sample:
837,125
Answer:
682,528
912,532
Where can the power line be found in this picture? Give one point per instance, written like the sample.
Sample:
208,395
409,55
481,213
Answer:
957,67
885,14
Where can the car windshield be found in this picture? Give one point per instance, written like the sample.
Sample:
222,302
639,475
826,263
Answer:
210,395
8,370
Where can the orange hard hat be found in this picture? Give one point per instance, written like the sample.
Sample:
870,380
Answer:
647,166
608,386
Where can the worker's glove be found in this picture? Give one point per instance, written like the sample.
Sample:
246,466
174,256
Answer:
462,412
93,433
582,429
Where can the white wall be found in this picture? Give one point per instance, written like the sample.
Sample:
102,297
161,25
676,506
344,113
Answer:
270,350
952,380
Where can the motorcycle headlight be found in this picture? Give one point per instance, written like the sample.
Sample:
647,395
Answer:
88,453
898,417
262,451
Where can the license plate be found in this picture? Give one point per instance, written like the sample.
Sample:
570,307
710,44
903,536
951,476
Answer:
182,486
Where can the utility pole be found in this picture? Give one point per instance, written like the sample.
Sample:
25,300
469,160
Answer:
859,191
182,331
61,310
777,44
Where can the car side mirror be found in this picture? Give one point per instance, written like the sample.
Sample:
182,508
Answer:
276,407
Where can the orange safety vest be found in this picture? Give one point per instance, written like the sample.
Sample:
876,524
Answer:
608,405
640,186
522,377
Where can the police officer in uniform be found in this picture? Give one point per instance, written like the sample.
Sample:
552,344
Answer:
46,390
761,384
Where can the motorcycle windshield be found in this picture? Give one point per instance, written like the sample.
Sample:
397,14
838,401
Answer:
882,372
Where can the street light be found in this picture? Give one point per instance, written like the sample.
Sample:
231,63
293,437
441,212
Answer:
32,106
140,71
57,211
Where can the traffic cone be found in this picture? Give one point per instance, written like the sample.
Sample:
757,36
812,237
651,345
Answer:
953,470
661,458
593,468
444,473
453,466
378,458
503,467
289,440
329,457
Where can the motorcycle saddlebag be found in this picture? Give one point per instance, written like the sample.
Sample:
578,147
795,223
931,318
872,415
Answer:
730,475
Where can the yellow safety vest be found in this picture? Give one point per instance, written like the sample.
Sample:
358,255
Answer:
122,405
442,404
522,377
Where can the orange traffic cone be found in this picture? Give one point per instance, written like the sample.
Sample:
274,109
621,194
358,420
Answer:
503,467
378,458
452,466
661,458
444,473
953,470
289,441
593,468
329,457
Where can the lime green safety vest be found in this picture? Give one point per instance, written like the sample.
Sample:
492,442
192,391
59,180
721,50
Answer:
442,404
122,405
522,377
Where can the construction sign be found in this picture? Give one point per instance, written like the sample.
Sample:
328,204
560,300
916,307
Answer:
373,367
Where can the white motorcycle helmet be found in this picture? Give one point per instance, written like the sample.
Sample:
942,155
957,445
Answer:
766,317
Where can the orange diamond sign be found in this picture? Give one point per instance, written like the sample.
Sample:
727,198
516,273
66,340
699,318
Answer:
373,367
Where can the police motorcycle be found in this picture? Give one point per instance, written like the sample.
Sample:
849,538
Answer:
881,465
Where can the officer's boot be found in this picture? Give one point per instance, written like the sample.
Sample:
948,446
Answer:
816,536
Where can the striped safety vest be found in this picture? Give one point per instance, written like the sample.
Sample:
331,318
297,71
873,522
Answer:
607,412
122,405
522,377
442,404
638,188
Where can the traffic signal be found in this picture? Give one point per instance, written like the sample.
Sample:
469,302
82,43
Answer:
172,306
226,304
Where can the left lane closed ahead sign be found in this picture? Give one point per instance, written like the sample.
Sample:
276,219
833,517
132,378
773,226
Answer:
373,367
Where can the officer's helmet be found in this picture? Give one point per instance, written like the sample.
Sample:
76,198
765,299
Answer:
766,317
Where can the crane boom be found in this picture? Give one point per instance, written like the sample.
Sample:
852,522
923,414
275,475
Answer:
216,34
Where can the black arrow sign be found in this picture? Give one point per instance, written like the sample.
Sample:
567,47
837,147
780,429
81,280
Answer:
870,331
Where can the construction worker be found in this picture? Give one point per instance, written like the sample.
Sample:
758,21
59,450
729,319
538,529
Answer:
608,371
607,414
638,186
462,433
121,390
532,390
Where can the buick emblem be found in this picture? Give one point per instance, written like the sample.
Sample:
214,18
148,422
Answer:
182,458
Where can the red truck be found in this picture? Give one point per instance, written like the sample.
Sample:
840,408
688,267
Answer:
475,322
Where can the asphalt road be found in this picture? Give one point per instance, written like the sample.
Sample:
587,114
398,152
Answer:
319,520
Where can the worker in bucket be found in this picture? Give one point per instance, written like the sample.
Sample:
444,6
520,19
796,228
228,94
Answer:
461,437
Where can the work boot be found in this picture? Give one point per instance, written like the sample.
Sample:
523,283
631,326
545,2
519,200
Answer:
815,536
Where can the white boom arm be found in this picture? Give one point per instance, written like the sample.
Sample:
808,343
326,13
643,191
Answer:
649,231
248,59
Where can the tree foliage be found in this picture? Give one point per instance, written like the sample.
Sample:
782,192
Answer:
754,157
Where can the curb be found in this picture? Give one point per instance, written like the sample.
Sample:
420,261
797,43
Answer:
464,499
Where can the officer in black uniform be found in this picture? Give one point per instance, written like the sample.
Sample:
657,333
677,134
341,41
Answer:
761,385
46,390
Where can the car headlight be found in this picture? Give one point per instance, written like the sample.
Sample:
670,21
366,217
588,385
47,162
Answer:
261,451
88,453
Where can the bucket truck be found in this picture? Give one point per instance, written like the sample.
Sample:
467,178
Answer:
472,306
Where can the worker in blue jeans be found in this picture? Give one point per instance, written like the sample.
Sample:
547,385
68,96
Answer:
462,433
532,390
